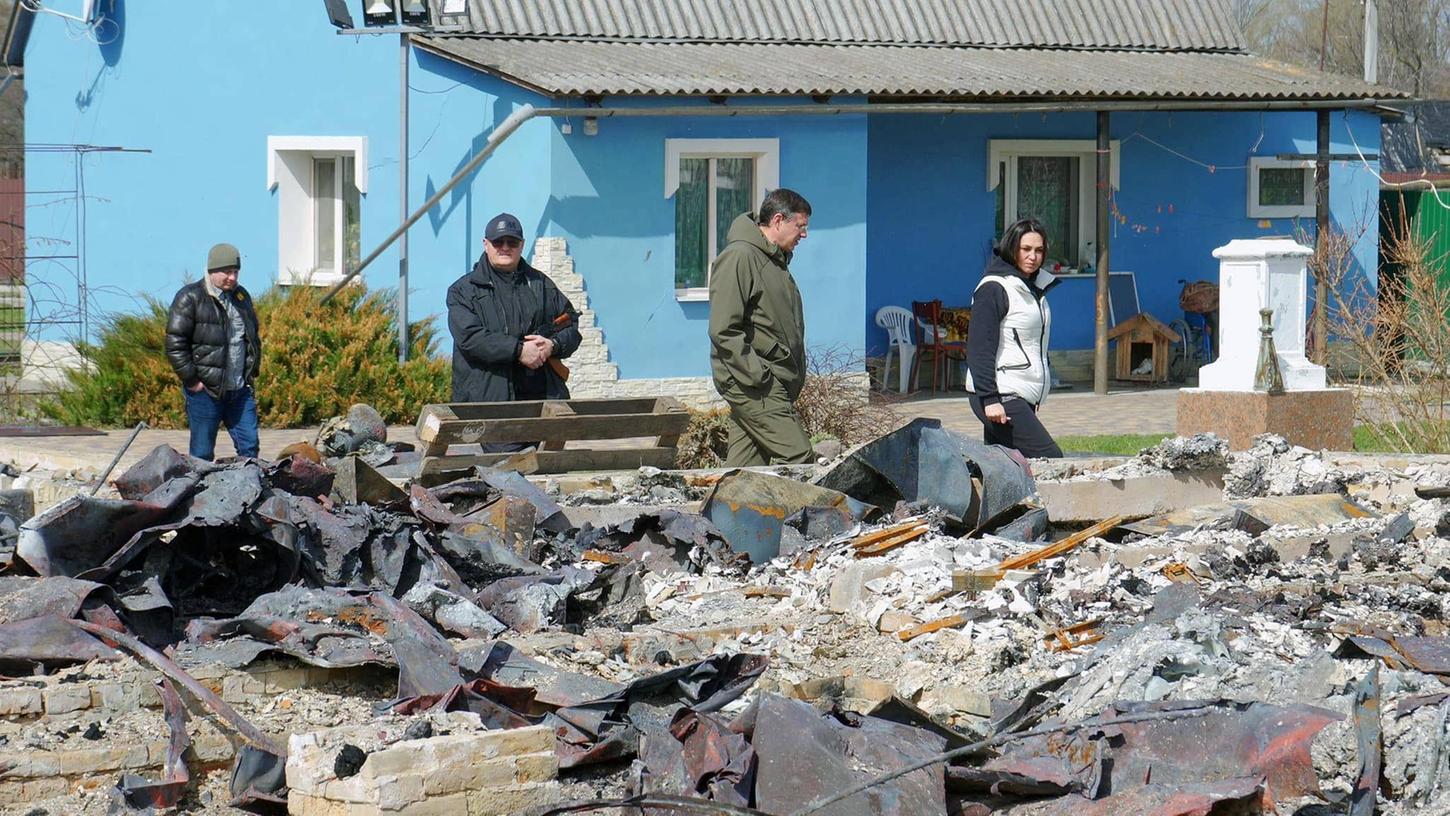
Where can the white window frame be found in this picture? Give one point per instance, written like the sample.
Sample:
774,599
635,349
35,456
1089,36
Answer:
1008,151
1257,210
290,163
765,153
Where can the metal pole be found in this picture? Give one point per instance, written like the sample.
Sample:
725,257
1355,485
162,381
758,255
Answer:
403,198
1100,327
500,133
1321,236
140,426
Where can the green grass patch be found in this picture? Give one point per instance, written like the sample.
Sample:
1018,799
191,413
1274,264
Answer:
1110,444
1367,439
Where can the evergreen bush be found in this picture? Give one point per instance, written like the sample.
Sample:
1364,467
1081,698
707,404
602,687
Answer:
317,359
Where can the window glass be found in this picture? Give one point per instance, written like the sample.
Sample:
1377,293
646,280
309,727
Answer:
692,203
1281,186
324,208
1047,189
733,181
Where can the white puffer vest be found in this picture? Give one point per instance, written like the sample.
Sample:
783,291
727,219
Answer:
1022,367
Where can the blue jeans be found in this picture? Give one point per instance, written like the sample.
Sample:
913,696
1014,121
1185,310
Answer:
205,413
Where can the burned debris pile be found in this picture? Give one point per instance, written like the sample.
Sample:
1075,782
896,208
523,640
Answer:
911,629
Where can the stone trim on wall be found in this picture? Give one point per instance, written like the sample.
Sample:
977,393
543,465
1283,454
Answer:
592,375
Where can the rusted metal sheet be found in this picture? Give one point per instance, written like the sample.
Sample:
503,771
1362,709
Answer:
1254,740
22,598
1229,797
166,791
750,509
699,756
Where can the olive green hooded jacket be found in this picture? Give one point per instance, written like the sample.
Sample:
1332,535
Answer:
757,330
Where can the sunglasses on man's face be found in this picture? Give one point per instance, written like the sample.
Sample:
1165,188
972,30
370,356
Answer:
507,243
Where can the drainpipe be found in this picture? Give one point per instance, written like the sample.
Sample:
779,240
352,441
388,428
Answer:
527,112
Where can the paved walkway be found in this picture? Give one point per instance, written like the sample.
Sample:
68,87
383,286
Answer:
1079,412
1069,413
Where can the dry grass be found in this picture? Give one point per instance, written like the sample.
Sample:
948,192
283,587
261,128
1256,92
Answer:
1399,339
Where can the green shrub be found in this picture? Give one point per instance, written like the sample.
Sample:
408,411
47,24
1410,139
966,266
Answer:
317,359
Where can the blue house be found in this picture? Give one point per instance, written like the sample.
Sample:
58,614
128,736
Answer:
641,127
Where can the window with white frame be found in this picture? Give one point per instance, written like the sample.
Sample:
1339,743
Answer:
1280,188
712,182
320,181
1054,181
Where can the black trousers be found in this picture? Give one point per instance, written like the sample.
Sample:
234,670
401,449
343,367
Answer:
1025,432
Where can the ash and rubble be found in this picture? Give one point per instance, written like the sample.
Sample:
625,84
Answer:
645,634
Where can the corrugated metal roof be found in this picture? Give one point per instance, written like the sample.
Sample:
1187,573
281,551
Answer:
1155,24
573,68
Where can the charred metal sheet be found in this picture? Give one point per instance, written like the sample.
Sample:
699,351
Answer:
331,541
23,598
1229,797
452,613
161,465
482,559
528,603
804,755
821,523
357,482
1251,740
963,779
509,520
301,476
81,532
225,496
897,710
548,512
1030,526
165,792
924,462
1430,655
1409,705
749,509
166,666
1255,515
1369,737
667,541
330,628
505,665
48,640
259,781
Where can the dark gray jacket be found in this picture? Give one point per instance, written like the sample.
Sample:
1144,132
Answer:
196,337
489,313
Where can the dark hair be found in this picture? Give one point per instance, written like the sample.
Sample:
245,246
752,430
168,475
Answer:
781,201
1012,238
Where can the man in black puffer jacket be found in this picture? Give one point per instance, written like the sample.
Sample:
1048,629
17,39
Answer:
213,346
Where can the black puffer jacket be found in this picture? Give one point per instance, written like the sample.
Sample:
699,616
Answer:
489,314
196,337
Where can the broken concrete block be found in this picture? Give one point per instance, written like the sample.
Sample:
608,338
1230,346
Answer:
468,769
1097,499
849,587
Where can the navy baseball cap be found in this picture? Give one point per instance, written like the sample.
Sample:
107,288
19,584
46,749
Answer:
503,225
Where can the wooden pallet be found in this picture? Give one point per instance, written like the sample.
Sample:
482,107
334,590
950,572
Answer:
553,422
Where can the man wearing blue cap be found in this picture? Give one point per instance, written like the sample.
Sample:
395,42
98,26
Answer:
511,326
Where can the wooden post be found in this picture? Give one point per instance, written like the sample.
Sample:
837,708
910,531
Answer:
1321,236
1100,333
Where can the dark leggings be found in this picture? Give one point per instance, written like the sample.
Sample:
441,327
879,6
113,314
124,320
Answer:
1024,433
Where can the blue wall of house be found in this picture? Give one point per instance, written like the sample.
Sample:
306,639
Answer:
1183,192
201,92
609,203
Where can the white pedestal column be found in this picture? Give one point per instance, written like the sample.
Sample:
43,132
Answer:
1254,274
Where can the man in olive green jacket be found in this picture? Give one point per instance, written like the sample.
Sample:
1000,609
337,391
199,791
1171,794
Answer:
758,333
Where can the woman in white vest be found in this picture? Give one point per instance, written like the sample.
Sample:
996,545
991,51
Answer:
1007,374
